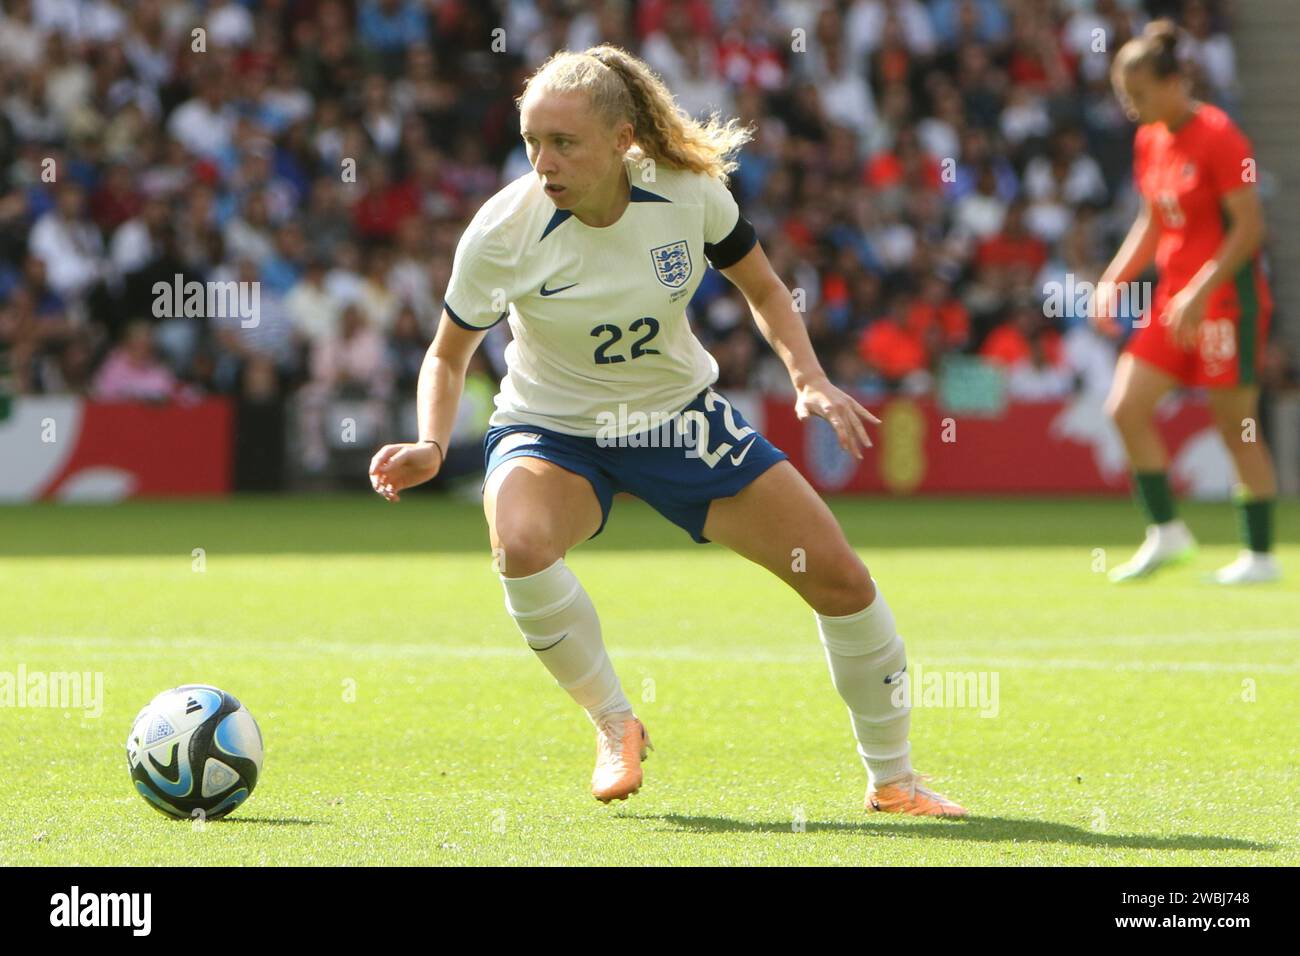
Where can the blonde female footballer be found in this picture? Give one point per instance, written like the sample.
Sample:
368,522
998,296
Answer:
1202,225
597,262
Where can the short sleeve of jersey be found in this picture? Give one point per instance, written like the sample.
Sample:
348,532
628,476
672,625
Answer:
728,236
479,288
1227,160
1139,158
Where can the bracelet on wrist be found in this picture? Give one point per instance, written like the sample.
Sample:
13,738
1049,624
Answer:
442,455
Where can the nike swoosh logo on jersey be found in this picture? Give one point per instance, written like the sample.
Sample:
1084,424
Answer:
546,291
737,459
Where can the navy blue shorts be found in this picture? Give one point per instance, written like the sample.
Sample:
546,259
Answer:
704,452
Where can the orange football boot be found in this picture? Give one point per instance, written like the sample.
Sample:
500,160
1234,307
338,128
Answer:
906,795
621,744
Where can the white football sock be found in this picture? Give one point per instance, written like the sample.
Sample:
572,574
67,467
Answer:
866,659
559,622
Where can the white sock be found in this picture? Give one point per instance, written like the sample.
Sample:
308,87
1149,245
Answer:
864,651
559,622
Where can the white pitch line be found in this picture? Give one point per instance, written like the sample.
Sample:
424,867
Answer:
1253,636
299,649
1208,667
1276,635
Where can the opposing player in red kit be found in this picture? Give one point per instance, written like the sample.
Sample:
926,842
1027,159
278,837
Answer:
1202,224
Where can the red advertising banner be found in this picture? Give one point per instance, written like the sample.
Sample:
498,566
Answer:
1027,448
70,449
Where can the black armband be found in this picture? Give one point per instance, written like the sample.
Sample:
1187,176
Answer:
734,248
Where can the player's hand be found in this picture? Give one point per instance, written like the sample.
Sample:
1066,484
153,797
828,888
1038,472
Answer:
1101,311
1184,315
846,416
405,465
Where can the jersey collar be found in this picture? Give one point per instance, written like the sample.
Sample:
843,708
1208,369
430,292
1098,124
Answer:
637,195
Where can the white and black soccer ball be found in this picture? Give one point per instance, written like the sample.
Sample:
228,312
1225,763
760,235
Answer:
194,751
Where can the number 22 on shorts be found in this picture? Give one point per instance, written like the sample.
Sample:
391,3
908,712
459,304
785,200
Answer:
700,448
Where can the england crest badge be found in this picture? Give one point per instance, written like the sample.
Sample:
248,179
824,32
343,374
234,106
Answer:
672,263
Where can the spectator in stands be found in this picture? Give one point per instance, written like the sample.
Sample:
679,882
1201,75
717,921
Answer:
377,299
205,124
69,245
116,200
937,318
749,57
388,28
325,219
379,117
1057,184
979,214
735,351
1211,54
969,21
866,22
409,275
22,41
33,332
282,269
385,202
895,352
352,363
982,85
133,371
1028,350
230,24
250,235
136,241
256,339
313,309
1075,267
1012,253
407,346
1095,27
1025,121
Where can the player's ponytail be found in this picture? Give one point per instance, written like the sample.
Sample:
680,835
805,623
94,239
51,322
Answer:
1156,49
623,87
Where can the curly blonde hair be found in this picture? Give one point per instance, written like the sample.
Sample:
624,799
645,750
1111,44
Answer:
621,86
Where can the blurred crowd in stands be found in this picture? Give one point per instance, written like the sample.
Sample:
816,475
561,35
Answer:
920,172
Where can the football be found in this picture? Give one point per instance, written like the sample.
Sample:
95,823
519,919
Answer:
194,752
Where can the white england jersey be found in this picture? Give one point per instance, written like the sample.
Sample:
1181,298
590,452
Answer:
598,315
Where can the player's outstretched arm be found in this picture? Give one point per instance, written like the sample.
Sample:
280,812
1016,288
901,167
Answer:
783,327
1136,253
442,380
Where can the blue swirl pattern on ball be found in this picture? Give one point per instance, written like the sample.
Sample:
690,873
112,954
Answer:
194,751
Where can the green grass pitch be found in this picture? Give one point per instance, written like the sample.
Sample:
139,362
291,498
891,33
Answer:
1147,724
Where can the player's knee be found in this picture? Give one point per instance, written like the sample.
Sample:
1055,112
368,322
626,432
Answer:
525,547
845,590
1114,407
1125,412
1241,445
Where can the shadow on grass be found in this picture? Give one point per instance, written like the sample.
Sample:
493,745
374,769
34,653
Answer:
978,828
274,821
